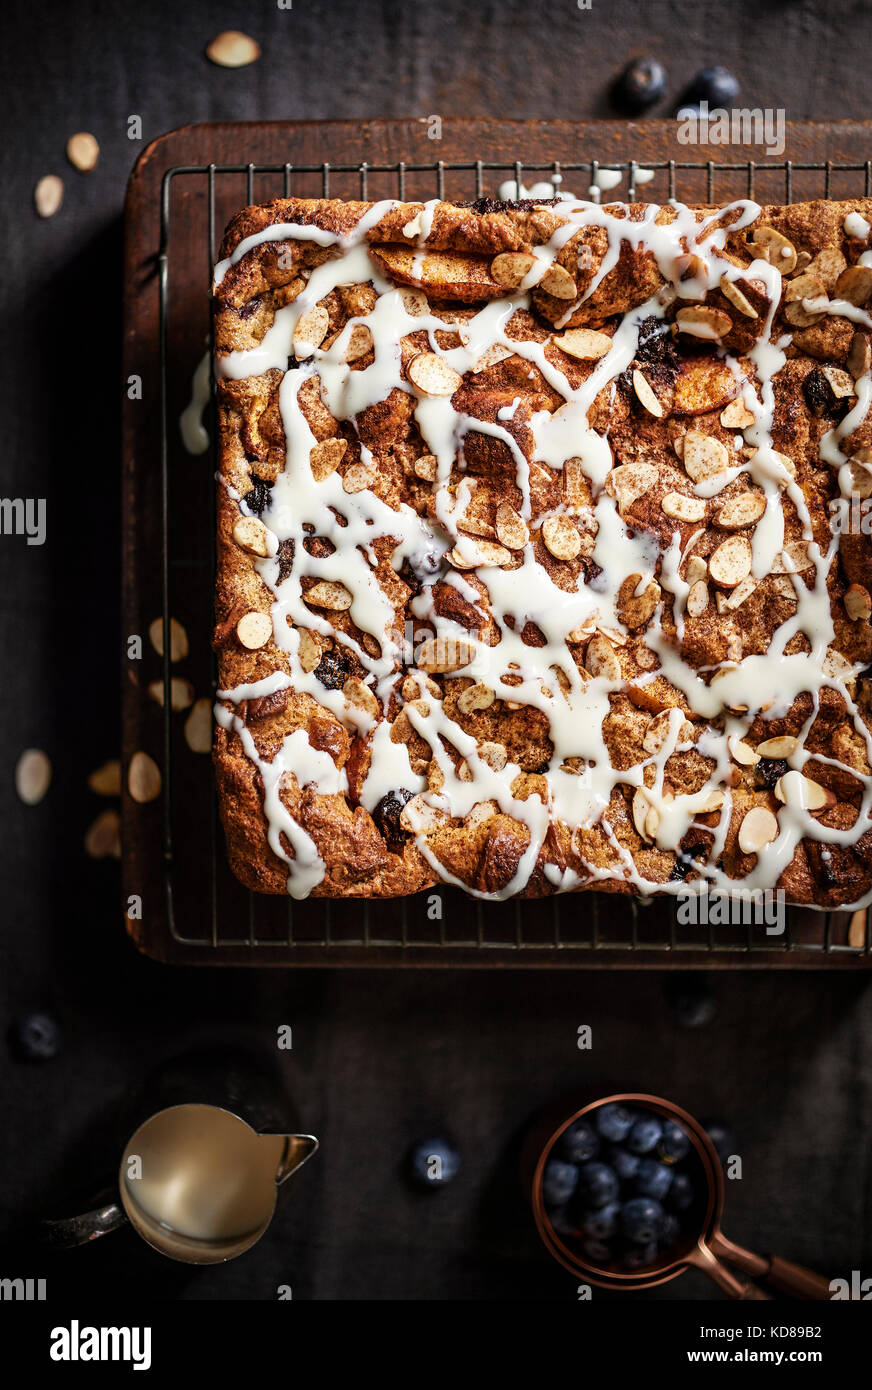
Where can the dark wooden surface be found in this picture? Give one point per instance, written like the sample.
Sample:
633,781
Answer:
378,1058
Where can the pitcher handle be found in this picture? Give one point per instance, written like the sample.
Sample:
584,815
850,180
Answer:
66,1232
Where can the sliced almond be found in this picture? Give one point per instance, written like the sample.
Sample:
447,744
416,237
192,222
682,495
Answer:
511,268
702,321
198,727
698,598
481,812
804,313
105,780
254,630
558,282
600,659
759,828
308,649
859,356
776,249
359,477
855,284
358,693
730,290
858,603
472,553
576,484
178,639
251,535
310,332
786,462
415,302
435,776
418,817
745,509
494,754
561,537
704,456
640,809
736,415
32,775
742,752
232,49
103,837
636,610
794,559
861,478
181,693
497,352
713,802
731,562
696,569
438,654
83,151
630,481
784,746
478,696
656,732
585,344
427,468
680,507
432,375
736,597
828,265
329,594
326,457
652,823
814,796
511,528
359,343
646,396
48,195
143,778
840,383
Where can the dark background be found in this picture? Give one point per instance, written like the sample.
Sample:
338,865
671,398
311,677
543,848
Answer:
379,1058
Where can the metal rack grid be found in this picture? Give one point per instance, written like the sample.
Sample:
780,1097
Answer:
560,930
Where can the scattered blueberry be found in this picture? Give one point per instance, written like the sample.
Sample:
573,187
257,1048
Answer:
640,85
645,1134
559,1182
625,1164
715,85
598,1184
680,1192
579,1142
670,1230
723,1140
35,1037
641,1256
674,1143
602,1224
641,1220
653,1179
614,1122
597,1251
434,1162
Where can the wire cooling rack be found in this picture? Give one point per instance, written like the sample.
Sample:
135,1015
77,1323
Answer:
208,914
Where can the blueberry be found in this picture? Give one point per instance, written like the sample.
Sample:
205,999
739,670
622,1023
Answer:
722,1138
35,1037
598,1184
645,1134
559,1182
563,1222
641,1257
434,1162
670,1231
653,1179
625,1164
640,85
681,1192
597,1251
579,1142
715,85
641,1220
603,1223
674,1143
614,1122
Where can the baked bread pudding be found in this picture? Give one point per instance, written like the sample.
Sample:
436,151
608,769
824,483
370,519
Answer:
543,560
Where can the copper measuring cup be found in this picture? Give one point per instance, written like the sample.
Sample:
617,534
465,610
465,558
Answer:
708,1249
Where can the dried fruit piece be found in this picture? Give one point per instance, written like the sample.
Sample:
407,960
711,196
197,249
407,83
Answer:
432,375
32,775
704,456
478,696
511,268
178,639
737,416
103,837
328,594
776,249
511,528
83,151
48,195
561,537
759,828
858,603
198,727
680,507
645,395
254,630
326,457
600,659
105,780
745,509
585,344
730,290
232,49
702,321
181,692
697,598
730,563
310,331
558,282
143,778
251,535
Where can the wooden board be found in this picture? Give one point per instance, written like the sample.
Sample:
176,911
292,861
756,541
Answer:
190,908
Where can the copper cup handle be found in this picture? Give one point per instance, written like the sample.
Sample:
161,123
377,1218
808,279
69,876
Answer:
705,1259
783,1275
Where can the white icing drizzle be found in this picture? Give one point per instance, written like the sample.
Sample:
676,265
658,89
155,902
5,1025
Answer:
195,436
577,793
